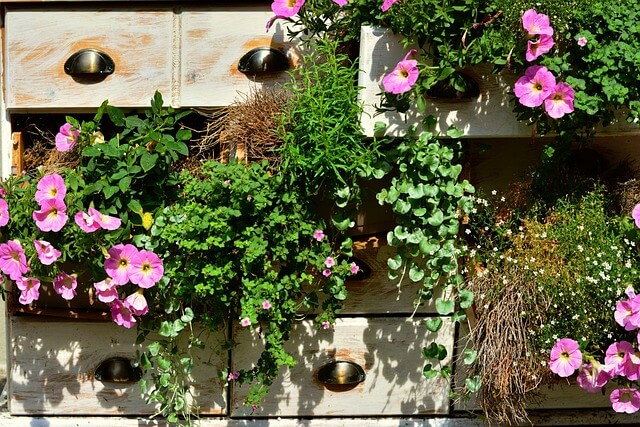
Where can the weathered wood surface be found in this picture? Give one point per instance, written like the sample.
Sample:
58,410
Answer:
389,351
487,116
52,365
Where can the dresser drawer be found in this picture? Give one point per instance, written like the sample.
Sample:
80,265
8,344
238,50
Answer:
214,40
53,363
39,42
387,349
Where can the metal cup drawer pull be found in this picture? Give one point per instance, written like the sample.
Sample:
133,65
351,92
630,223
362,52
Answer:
262,60
118,370
341,372
89,62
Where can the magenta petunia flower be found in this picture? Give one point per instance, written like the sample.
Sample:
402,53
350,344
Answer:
29,289
245,321
326,272
121,314
106,290
146,269
104,221
4,213
326,325
137,303
627,313
266,305
86,222
119,264
536,23
66,138
329,262
618,356
593,376
65,285
341,2
625,400
403,76
52,215
50,187
354,268
47,254
565,357
13,262
319,234
560,101
538,46
386,4
286,8
233,376
535,86
635,214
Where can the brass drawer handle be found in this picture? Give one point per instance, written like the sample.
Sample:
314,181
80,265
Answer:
118,370
263,60
341,372
89,62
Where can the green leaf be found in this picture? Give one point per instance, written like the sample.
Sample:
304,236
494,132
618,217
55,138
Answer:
429,246
115,115
444,307
416,273
395,262
466,298
469,356
436,218
148,161
428,372
433,323
124,184
473,384
187,316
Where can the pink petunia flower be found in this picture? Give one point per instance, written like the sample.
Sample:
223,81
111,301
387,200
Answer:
233,376
319,234
538,46
341,2
354,268
618,356
119,264
560,101
86,222
52,215
65,285
266,305
50,187
4,213
326,272
386,4
535,86
121,314
565,357
66,138
245,321
582,41
403,76
286,8
106,290
635,214
627,313
329,262
137,303
146,269
625,400
13,262
47,254
326,325
29,289
593,376
106,222
536,23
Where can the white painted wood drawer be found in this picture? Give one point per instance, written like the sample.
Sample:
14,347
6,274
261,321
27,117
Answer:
38,42
388,350
52,365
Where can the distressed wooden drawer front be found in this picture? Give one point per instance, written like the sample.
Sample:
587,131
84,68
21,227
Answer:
39,42
52,365
212,43
389,351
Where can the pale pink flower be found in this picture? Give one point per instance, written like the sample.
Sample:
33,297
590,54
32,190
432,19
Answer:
354,268
121,314
29,289
565,357
326,272
47,254
319,234
4,213
536,23
286,8
329,262
618,356
266,305
86,222
146,269
65,285
582,41
106,290
13,262
403,76
50,187
535,86
245,321
106,222
66,138
52,215
593,376
560,101
627,313
625,400
326,325
137,303
233,376
386,4
341,2
538,46
635,214
119,264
